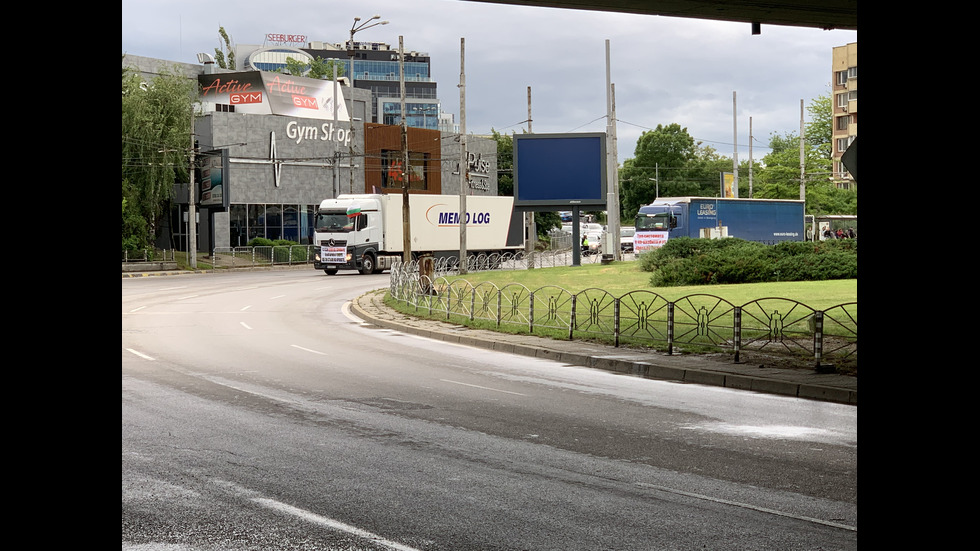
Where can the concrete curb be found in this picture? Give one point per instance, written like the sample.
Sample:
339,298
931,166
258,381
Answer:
370,308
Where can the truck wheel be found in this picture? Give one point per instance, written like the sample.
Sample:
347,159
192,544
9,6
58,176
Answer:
330,271
367,263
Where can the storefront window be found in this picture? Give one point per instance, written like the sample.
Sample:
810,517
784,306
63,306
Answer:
290,223
256,221
273,222
238,226
306,224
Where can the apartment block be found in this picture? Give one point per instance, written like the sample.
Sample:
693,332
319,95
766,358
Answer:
844,101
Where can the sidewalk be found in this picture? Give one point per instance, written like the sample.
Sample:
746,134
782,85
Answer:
717,370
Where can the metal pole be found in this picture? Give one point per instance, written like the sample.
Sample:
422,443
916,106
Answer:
529,227
406,219
612,190
750,157
192,211
802,162
735,147
463,168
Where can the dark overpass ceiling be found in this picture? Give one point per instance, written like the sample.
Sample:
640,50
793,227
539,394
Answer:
821,14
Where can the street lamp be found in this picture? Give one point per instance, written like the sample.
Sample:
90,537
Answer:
350,54
350,45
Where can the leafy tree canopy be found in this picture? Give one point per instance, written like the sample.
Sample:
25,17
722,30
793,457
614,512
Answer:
156,141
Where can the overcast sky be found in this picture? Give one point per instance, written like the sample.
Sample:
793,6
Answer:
665,70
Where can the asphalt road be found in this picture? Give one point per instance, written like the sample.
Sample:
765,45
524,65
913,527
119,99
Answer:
257,413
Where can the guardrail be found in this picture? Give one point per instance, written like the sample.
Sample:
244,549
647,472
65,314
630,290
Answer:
696,322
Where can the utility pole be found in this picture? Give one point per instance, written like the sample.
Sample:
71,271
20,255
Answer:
192,210
802,159
529,228
463,167
750,157
406,220
612,168
336,150
735,152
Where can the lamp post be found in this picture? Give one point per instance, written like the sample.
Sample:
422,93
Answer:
350,54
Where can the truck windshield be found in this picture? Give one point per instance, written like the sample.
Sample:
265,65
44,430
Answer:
333,222
659,221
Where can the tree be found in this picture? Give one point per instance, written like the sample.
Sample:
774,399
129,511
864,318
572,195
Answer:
219,55
156,139
820,130
663,160
319,68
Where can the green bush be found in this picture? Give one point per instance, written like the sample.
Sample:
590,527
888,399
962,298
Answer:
690,261
282,250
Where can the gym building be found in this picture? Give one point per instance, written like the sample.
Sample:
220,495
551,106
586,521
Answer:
271,146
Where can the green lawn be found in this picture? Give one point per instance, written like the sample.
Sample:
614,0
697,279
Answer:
620,278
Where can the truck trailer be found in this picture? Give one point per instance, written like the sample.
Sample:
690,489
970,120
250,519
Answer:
763,220
365,232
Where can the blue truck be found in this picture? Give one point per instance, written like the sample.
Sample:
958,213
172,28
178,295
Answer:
763,220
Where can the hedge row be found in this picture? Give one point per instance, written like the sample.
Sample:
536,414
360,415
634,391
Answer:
690,261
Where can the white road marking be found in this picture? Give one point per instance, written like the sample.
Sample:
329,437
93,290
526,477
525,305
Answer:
482,387
307,349
331,523
245,325
748,506
140,354
345,309
314,518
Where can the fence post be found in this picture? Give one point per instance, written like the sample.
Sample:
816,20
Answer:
818,338
530,314
670,328
616,321
738,332
571,326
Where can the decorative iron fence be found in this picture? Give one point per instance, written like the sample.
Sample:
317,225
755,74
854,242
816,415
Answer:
696,322
275,255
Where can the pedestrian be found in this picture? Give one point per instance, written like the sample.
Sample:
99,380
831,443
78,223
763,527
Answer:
850,233
585,243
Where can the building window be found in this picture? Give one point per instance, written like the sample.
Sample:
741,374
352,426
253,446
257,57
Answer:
841,78
842,122
238,225
842,100
392,173
256,221
852,72
289,222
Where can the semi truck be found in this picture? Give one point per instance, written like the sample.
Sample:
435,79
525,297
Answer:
763,220
365,232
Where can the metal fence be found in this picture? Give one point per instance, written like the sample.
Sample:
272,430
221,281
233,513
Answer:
697,322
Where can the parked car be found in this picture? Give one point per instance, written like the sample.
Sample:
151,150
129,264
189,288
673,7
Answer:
626,238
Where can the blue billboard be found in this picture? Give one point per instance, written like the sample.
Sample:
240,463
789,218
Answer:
560,170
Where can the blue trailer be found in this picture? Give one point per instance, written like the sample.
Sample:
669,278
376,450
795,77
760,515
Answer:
763,220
